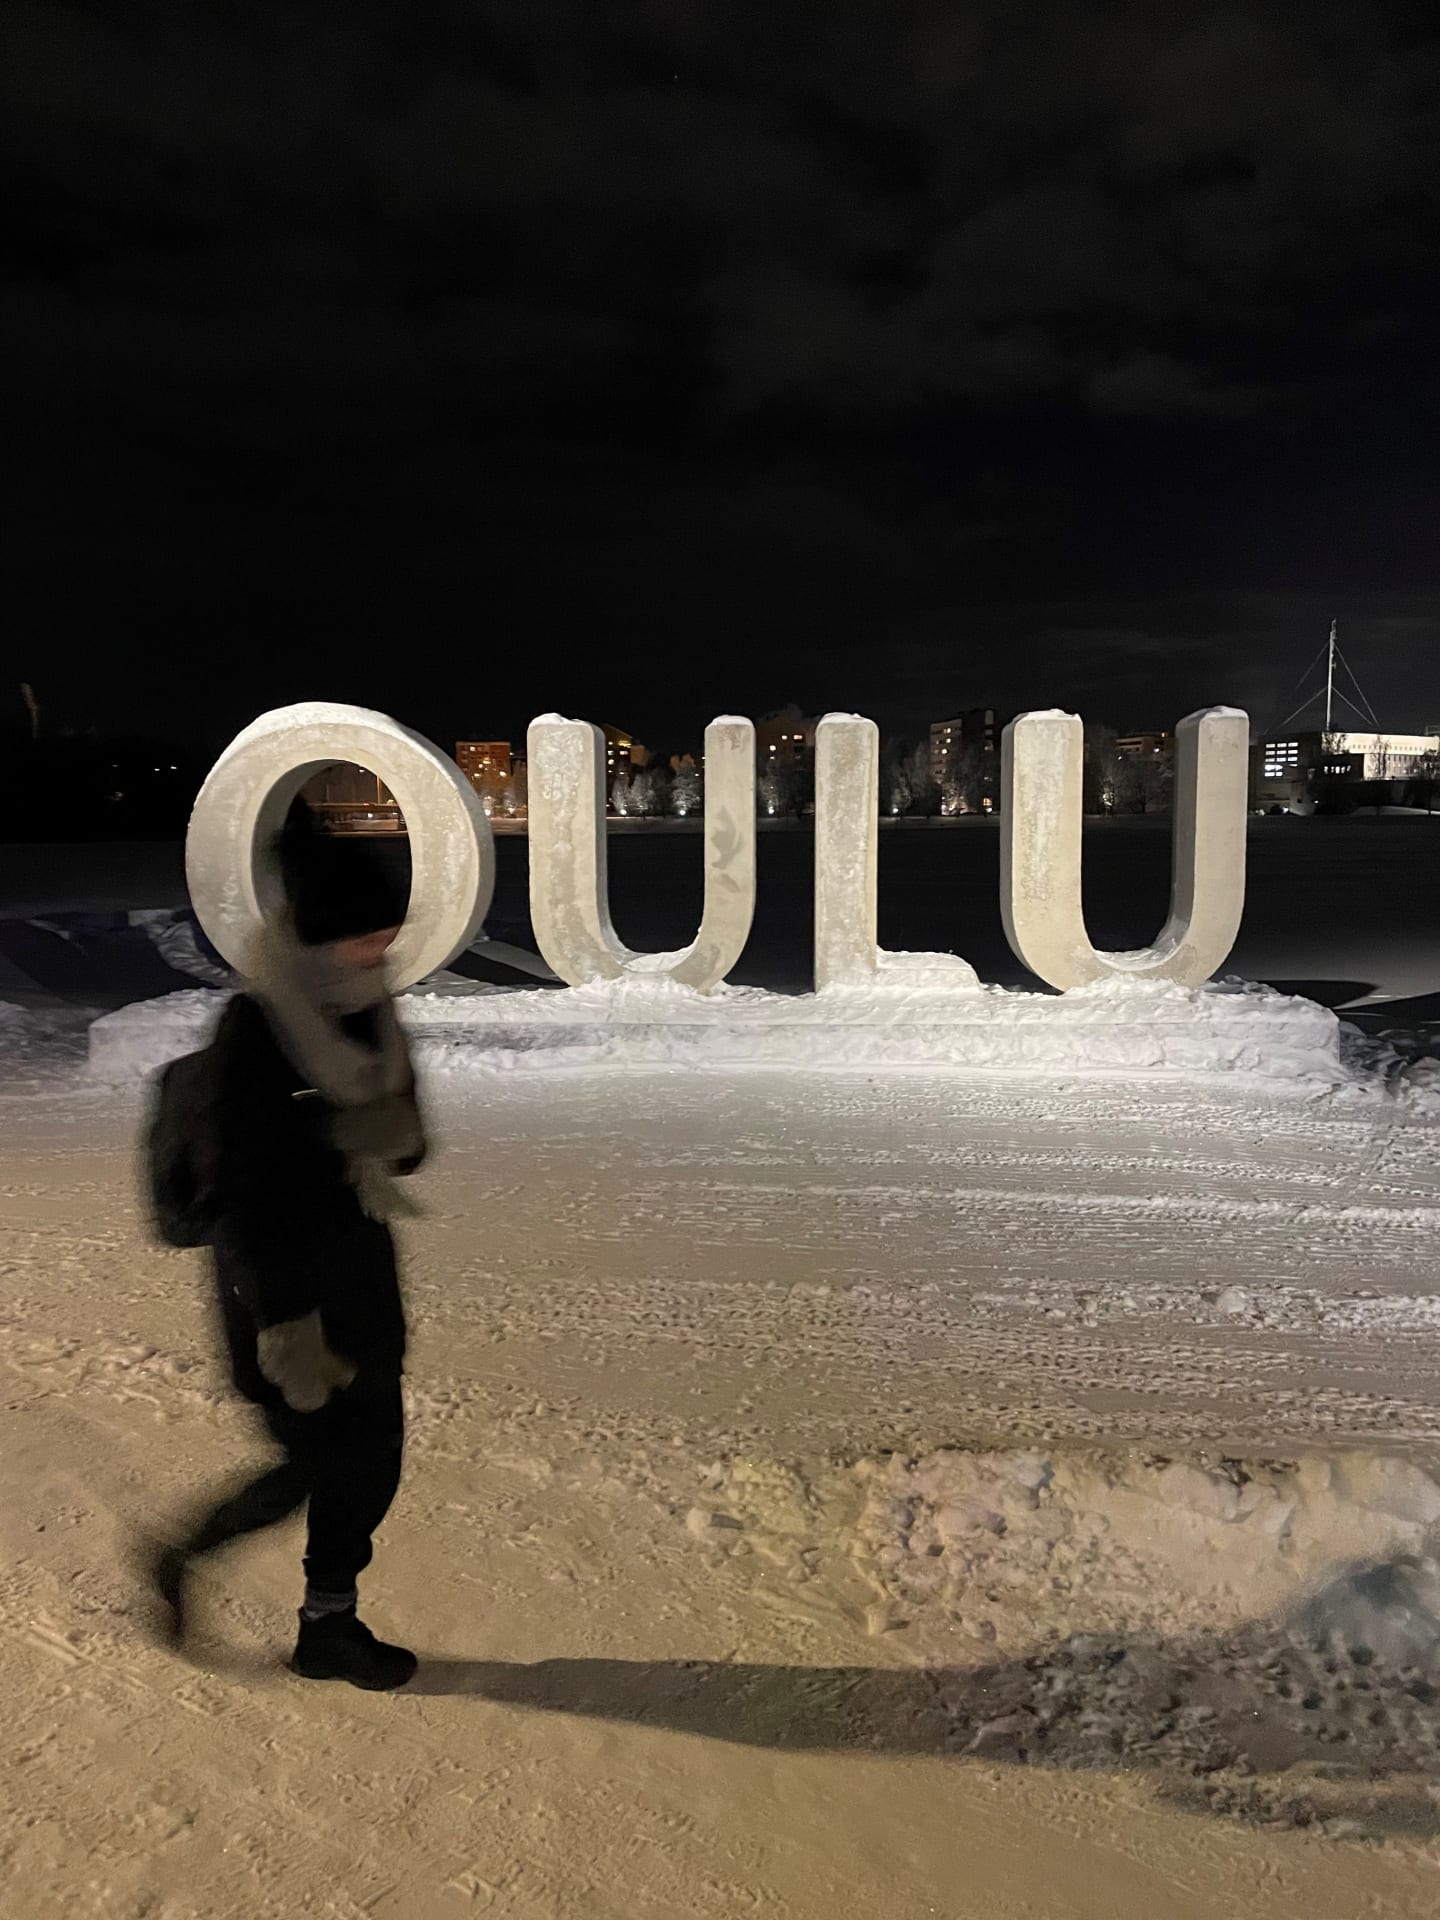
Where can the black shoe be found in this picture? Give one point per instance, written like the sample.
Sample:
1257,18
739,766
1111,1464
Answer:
338,1646
167,1570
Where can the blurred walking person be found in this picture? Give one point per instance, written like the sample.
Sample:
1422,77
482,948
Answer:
278,1147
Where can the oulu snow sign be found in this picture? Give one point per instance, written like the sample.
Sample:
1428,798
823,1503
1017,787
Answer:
1149,1009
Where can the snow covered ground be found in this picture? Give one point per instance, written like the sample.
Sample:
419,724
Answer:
887,1491
877,1495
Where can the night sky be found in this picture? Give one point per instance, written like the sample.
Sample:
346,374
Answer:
648,359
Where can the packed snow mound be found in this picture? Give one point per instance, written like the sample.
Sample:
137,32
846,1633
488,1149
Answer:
1417,1088
1139,1544
135,1041
37,1045
1215,1618
1011,1548
911,1015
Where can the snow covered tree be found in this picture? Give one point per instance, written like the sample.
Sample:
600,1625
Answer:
920,776
1426,780
1142,782
963,787
770,794
895,789
517,793
685,789
1381,767
1102,768
643,796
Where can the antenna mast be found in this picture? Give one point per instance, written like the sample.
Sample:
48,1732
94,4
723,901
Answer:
1330,676
1334,658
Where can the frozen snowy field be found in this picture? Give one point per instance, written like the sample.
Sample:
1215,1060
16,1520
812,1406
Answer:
870,1500
877,1494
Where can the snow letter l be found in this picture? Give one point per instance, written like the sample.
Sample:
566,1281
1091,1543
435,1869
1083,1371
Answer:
847,795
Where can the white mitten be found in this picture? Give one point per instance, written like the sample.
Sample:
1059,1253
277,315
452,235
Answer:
295,1358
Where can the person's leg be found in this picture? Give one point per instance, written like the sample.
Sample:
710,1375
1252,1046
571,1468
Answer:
355,1471
263,1501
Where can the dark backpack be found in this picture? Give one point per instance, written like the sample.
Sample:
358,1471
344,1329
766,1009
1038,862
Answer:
177,1151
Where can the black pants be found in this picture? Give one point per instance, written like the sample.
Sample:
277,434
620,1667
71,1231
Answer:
345,1460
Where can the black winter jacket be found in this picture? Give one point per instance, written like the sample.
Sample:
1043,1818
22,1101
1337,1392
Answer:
290,1232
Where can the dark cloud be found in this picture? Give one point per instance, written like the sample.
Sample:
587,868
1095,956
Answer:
1157,386
1052,350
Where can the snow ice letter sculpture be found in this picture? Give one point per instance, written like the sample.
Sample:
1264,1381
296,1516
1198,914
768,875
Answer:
847,809
1042,772
569,895
249,790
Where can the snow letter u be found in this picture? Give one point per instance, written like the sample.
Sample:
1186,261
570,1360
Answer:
569,894
1042,778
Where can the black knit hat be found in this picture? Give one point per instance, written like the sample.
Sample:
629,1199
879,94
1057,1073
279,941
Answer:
336,888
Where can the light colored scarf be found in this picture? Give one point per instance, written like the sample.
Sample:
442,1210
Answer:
306,993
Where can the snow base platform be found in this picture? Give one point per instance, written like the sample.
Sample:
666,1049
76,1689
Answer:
1133,1029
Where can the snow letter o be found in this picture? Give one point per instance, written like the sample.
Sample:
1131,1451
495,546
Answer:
248,793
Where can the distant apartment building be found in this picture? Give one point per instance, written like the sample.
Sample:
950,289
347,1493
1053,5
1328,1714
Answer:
483,761
488,766
785,740
965,759
977,728
351,799
1294,771
624,755
1146,744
